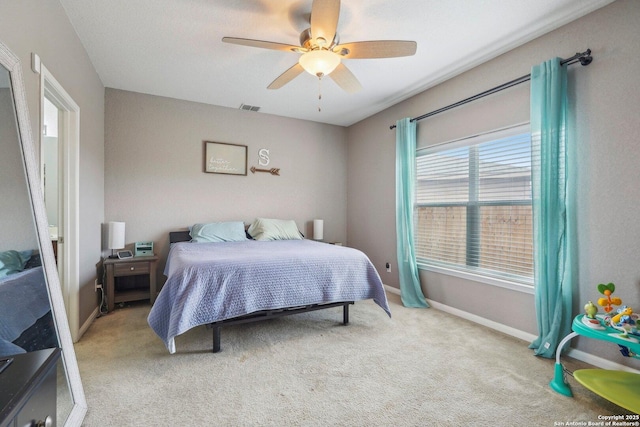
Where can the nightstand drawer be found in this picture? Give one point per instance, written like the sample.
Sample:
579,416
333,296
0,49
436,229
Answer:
130,279
130,268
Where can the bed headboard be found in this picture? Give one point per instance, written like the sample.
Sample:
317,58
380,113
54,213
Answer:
179,236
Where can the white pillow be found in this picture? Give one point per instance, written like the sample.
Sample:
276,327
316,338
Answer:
274,229
218,232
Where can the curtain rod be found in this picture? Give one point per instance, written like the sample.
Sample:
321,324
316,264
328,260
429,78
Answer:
583,57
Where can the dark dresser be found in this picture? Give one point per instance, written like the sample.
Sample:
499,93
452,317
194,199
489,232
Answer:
28,389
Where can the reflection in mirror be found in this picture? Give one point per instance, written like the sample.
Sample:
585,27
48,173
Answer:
28,321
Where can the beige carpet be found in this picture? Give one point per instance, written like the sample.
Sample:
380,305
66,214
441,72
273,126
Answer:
420,368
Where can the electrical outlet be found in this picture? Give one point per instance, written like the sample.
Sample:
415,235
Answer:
388,268
98,285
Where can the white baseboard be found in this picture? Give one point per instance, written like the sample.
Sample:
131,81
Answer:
599,361
88,322
572,352
391,289
525,336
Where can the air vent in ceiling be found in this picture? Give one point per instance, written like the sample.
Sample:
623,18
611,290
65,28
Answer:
249,107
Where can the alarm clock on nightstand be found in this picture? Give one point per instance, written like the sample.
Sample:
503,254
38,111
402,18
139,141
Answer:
144,248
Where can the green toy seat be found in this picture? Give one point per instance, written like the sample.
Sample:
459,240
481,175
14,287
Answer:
619,387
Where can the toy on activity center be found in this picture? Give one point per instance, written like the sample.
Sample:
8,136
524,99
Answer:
623,320
608,302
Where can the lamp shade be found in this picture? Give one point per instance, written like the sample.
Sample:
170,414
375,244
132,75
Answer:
318,229
319,62
116,235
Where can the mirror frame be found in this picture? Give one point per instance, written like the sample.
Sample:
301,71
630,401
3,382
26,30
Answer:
12,63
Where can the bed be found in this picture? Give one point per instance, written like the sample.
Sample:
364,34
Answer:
232,282
26,323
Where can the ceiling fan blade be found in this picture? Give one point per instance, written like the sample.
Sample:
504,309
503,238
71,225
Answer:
345,79
324,19
376,49
264,44
286,77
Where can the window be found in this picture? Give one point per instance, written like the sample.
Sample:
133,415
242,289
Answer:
473,209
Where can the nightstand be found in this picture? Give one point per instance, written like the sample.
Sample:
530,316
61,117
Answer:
130,279
28,390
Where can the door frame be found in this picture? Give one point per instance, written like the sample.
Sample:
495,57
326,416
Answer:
69,149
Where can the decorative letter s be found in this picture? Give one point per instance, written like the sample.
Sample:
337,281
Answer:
263,153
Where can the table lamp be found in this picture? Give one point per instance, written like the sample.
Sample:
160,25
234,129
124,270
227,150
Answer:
115,237
318,229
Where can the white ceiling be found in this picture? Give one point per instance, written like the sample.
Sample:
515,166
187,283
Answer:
173,48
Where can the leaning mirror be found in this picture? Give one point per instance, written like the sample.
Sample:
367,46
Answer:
32,312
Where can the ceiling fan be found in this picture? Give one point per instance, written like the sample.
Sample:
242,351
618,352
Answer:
322,52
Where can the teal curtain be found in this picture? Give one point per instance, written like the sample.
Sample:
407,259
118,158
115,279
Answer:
410,291
552,206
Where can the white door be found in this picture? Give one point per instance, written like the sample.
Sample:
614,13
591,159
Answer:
56,103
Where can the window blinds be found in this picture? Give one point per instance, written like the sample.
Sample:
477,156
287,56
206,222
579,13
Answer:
473,205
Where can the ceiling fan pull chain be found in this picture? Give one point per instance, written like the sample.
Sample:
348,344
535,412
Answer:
319,93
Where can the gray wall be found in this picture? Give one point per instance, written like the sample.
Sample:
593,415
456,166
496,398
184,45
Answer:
605,98
154,179
41,26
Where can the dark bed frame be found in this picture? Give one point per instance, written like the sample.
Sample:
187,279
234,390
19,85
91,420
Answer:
184,236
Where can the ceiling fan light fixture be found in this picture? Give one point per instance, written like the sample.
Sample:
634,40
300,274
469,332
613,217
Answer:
321,52
319,62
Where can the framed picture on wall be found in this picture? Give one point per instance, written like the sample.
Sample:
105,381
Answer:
221,157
